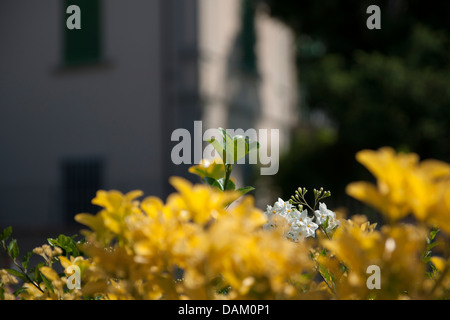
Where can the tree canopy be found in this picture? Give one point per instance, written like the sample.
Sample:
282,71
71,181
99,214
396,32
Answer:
373,87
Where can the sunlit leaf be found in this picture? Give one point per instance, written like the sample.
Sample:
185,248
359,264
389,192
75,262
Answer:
17,274
245,190
13,249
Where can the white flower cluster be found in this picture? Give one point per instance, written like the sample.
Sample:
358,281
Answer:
324,214
300,224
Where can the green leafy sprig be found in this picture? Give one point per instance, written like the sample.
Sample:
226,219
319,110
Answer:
12,249
33,275
231,150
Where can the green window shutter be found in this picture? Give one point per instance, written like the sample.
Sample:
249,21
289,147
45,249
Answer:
83,46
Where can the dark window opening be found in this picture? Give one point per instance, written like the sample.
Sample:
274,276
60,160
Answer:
82,178
83,46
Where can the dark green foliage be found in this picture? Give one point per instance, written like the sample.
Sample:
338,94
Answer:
67,244
387,87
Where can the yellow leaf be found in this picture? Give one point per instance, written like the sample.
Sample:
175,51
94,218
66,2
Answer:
64,262
151,206
110,200
435,168
132,195
49,273
438,262
89,220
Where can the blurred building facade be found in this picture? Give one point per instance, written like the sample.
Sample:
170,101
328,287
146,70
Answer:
72,122
247,67
95,109
248,75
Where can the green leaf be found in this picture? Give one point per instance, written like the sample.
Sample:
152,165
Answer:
231,149
325,224
328,276
66,243
47,283
214,183
19,291
37,273
239,147
432,245
220,148
245,190
13,249
230,185
26,260
236,148
4,235
433,234
225,135
17,274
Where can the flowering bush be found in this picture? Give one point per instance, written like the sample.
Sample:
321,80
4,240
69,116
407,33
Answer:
208,241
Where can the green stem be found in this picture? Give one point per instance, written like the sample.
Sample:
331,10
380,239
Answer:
333,290
324,231
21,269
303,203
26,276
440,279
228,169
442,275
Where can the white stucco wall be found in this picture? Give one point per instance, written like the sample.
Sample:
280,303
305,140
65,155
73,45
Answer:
48,113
